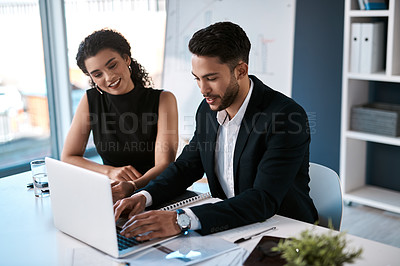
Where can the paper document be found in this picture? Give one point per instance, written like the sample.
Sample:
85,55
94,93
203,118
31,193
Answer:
183,250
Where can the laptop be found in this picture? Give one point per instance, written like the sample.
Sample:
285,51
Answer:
82,206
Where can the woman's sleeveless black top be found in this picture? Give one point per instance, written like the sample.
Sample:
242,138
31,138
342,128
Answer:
125,126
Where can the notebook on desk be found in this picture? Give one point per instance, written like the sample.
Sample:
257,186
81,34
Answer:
82,206
188,199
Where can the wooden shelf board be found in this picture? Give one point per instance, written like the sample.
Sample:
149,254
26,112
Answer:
373,138
377,197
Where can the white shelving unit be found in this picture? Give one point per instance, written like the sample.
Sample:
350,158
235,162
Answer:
355,91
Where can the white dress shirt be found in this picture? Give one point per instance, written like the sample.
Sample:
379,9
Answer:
224,150
225,146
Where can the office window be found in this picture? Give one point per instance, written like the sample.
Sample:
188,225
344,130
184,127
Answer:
24,113
142,22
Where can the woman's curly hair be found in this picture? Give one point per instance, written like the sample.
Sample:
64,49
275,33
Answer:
111,39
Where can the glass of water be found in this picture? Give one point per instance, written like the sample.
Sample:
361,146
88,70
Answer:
40,181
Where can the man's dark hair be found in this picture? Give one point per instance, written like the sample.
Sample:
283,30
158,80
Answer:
111,39
224,40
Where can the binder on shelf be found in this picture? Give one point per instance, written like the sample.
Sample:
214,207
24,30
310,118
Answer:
375,4
372,47
355,47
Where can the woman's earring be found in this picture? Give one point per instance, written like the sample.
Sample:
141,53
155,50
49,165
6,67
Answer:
98,89
130,69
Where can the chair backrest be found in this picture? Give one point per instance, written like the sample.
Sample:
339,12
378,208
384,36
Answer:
326,193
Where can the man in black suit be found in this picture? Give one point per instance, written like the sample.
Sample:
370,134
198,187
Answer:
251,141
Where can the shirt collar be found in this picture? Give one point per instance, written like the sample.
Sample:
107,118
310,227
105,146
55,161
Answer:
222,116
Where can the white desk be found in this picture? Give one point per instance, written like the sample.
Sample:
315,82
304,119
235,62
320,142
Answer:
28,237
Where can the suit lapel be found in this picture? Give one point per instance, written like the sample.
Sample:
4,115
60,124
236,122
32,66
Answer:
248,122
212,130
250,118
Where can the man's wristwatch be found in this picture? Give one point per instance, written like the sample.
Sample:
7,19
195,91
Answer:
183,220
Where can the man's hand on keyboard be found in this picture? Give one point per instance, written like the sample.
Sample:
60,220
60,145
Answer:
151,224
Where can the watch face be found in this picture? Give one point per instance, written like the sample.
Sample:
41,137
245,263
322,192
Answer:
183,221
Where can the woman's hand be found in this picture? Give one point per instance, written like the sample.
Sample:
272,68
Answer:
124,173
122,189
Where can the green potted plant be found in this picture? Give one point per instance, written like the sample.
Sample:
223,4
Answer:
317,249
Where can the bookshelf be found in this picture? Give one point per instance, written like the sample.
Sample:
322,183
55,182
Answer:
355,91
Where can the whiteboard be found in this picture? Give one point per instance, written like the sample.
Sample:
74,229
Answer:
269,24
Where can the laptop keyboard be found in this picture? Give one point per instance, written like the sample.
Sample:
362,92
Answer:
124,242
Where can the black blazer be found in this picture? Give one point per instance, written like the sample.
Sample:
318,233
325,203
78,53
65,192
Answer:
271,161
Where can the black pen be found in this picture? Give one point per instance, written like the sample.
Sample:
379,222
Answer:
240,240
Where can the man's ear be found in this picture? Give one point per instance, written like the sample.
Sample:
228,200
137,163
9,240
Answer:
242,70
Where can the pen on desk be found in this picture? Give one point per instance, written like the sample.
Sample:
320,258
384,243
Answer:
118,262
253,235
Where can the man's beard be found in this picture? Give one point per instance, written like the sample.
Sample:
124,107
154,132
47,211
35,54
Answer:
230,95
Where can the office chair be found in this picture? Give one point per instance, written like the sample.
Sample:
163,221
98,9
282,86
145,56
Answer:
326,193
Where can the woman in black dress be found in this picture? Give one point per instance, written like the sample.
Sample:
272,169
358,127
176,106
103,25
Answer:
135,127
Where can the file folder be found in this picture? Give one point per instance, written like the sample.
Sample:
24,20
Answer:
355,47
372,47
